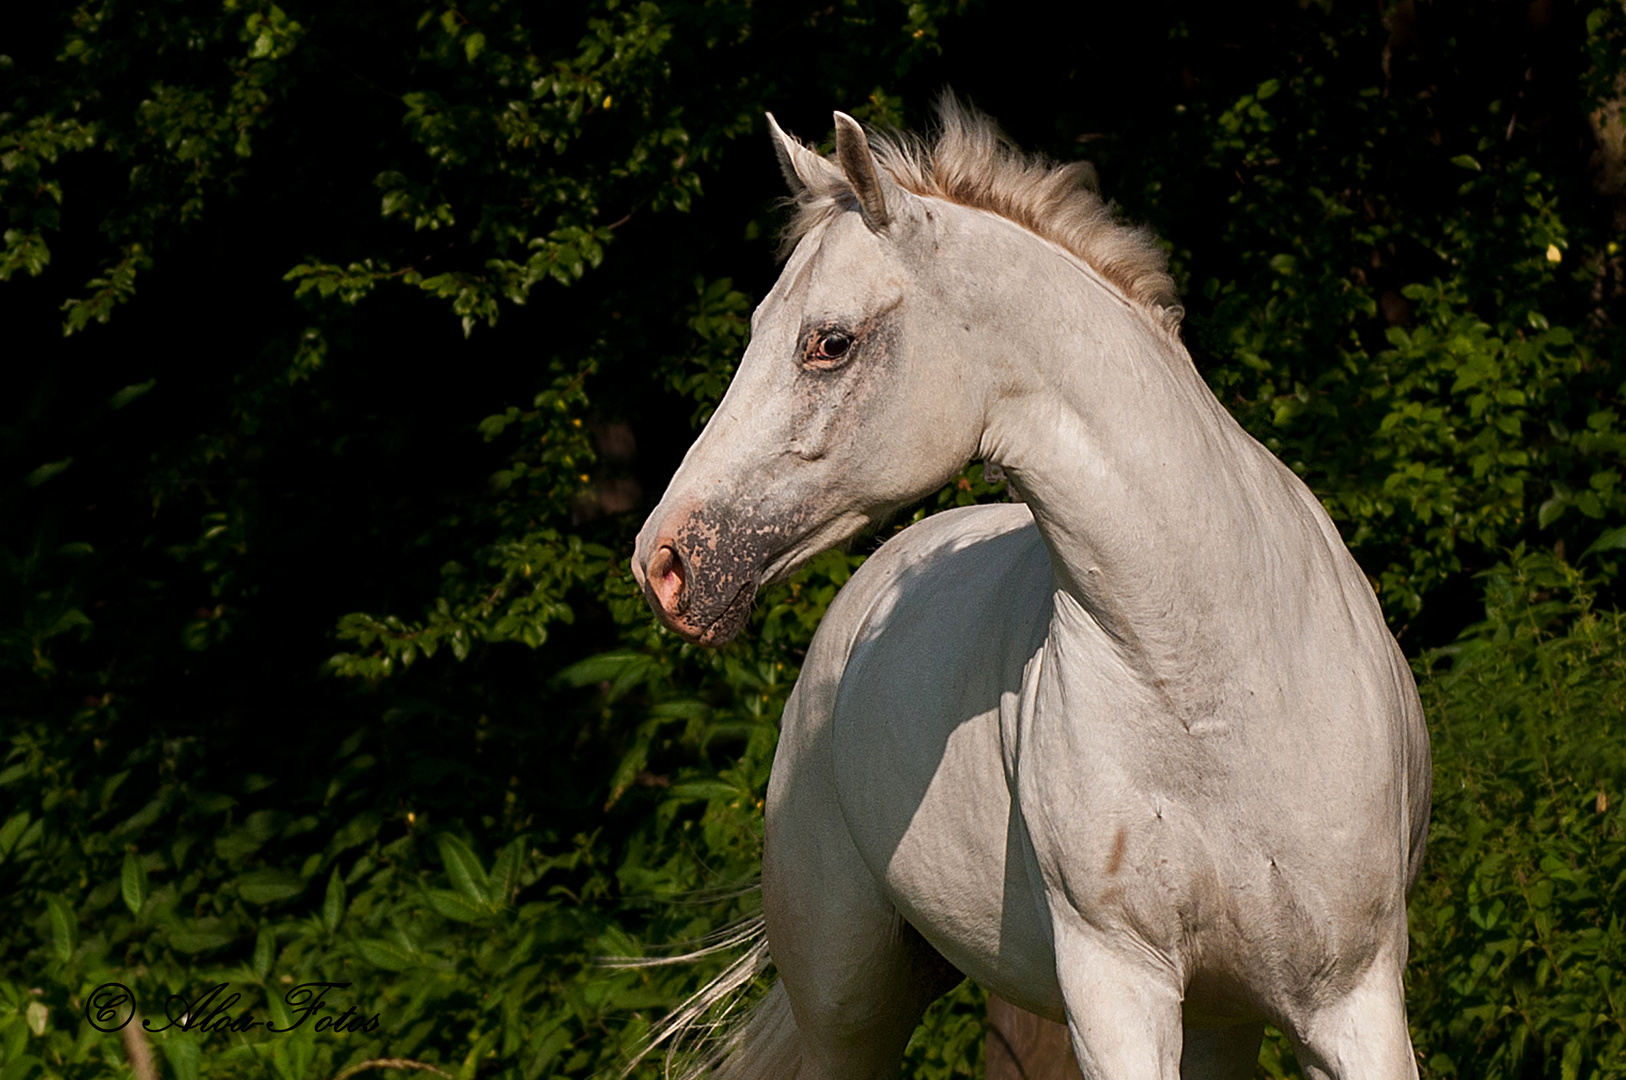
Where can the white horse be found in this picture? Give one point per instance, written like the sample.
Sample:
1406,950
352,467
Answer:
1138,752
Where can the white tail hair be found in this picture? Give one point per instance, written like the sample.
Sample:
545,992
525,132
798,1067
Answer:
706,1035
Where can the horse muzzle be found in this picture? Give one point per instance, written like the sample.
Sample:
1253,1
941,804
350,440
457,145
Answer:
700,587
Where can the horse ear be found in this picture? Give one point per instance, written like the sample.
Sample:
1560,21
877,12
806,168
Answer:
803,168
863,176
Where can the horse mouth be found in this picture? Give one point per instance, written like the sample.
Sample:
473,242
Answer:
730,621
720,628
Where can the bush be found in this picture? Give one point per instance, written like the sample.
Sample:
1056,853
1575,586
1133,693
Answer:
1519,951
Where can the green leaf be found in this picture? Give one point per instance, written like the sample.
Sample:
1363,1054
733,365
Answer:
464,868
1611,540
64,926
456,906
265,952
19,1067
385,954
67,621
182,1052
130,393
505,872
292,1055
46,471
605,667
1570,1066
269,886
704,789
358,830
10,831
631,764
134,882
333,903
202,935
1466,161
544,1046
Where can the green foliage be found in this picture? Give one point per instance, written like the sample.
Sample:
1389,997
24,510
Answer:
1516,926
1388,283
290,696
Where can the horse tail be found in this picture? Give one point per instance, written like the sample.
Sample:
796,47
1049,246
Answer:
708,1036
766,1046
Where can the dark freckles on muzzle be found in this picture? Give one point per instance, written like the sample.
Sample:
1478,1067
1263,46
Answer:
702,572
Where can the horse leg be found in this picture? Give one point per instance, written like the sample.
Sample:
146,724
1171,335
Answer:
857,976
1123,1010
854,978
1230,1053
1363,1035
1022,1046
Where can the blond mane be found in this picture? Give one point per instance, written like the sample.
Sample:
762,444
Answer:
972,163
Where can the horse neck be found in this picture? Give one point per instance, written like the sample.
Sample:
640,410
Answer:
1171,531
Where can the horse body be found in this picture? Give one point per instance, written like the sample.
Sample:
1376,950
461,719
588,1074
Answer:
897,722
1140,753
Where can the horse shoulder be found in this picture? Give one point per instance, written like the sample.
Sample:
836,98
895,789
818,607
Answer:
936,633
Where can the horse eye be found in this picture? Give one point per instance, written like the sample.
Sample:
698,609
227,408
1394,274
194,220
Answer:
834,345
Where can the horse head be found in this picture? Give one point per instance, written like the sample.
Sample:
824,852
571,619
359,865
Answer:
852,399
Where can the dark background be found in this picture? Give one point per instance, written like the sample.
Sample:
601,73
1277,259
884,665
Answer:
1362,204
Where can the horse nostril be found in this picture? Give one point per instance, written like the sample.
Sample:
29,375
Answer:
666,580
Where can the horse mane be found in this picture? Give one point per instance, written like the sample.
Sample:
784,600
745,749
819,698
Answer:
972,163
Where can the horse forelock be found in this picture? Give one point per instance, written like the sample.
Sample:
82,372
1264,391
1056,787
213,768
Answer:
972,163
